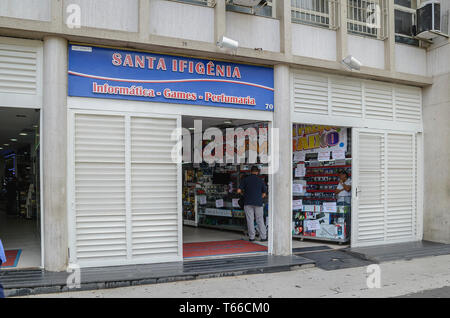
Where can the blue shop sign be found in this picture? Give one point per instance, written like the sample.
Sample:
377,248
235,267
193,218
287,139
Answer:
121,74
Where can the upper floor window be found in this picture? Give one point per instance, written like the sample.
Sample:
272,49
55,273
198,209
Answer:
405,19
367,17
315,12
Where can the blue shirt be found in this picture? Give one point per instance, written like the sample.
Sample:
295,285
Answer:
253,187
2,253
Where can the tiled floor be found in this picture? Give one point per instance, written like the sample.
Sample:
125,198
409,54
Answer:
199,234
19,233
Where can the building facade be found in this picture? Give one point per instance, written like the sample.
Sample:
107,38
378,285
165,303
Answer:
397,106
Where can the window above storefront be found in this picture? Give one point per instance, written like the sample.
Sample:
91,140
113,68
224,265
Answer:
405,21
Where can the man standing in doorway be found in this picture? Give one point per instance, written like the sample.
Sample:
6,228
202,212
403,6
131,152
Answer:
255,190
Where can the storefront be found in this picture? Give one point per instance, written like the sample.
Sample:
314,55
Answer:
128,186
382,156
20,152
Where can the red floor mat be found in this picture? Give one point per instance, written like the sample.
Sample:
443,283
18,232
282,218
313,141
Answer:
12,258
221,248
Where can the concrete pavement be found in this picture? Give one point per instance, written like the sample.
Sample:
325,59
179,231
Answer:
397,278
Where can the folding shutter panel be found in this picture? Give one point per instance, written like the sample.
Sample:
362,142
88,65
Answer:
401,186
99,188
311,94
370,218
386,180
154,192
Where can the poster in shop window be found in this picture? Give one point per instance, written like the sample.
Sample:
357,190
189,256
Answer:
100,72
319,139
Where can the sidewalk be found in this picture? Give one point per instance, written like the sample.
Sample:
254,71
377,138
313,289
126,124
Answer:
397,278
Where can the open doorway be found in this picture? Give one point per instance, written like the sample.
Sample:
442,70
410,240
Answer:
322,184
214,219
20,217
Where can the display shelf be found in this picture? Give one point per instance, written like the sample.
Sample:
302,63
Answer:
225,227
320,238
323,175
323,182
315,199
190,222
328,167
326,191
300,211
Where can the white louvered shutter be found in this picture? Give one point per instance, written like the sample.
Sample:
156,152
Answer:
346,97
378,99
18,70
310,93
401,186
408,104
386,181
126,199
371,183
154,192
99,194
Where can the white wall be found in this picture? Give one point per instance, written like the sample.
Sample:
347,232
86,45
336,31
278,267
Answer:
313,42
182,20
410,59
438,60
26,9
253,31
369,51
108,14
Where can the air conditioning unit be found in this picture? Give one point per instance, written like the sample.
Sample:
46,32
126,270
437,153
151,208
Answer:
247,3
429,20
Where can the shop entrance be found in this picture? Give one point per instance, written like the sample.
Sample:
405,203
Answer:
214,220
322,184
20,212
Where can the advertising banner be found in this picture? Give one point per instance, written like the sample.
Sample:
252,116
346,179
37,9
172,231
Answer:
99,72
319,139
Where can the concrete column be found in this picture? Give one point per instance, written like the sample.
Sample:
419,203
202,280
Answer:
282,179
341,33
220,23
389,42
54,150
436,140
283,14
144,20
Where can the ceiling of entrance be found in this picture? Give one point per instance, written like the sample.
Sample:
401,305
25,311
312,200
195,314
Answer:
13,122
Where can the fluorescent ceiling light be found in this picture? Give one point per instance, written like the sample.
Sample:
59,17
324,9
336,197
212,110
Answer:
23,134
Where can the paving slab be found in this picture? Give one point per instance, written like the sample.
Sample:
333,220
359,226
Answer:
335,259
399,251
26,282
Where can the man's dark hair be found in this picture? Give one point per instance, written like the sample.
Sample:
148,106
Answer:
254,169
345,173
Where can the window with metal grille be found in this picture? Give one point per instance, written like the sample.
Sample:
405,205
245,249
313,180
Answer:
367,17
405,19
315,12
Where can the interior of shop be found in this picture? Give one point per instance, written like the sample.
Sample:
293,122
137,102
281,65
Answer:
322,165
20,187
214,223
